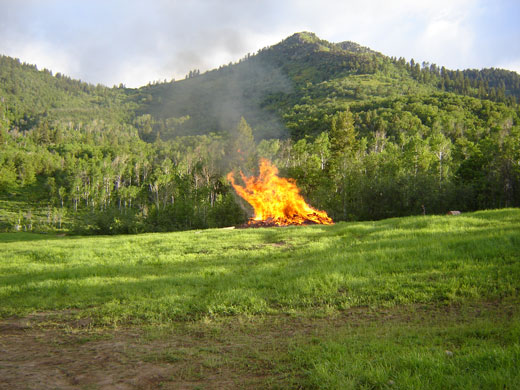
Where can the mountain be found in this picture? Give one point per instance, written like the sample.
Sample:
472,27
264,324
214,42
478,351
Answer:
366,136
304,70
301,71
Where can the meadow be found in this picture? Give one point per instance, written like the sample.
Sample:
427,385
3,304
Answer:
426,302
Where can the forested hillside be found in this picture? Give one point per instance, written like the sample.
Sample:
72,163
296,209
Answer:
366,136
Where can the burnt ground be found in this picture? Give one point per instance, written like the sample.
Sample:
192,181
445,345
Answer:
56,351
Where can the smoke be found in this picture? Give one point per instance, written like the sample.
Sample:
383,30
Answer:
217,100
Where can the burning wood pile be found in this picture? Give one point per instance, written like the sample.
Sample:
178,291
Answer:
276,201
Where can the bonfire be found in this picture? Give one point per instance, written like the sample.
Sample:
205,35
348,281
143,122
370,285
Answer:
276,201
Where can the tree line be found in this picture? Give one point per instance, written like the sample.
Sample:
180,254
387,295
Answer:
373,160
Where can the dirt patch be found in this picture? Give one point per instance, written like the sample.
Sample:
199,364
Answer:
194,356
53,359
55,351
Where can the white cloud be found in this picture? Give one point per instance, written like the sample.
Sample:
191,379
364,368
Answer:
44,55
446,40
134,41
513,65
138,73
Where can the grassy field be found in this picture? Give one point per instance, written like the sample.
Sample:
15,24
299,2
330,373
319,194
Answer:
419,302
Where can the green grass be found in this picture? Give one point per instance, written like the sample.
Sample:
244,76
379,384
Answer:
385,299
156,278
444,353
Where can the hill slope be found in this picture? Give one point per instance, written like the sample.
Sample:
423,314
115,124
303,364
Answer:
155,278
30,96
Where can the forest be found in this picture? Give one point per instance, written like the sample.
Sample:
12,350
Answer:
365,137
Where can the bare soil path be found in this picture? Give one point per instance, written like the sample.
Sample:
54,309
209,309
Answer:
55,351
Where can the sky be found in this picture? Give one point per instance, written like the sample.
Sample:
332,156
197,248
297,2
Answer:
135,42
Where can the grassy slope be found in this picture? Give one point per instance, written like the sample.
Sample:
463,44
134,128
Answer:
416,270
159,277
471,347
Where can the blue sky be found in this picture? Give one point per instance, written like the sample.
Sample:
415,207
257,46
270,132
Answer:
134,42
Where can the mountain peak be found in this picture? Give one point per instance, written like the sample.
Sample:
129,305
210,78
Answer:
304,36
302,43
310,40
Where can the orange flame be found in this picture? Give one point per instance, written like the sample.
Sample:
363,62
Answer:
276,201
